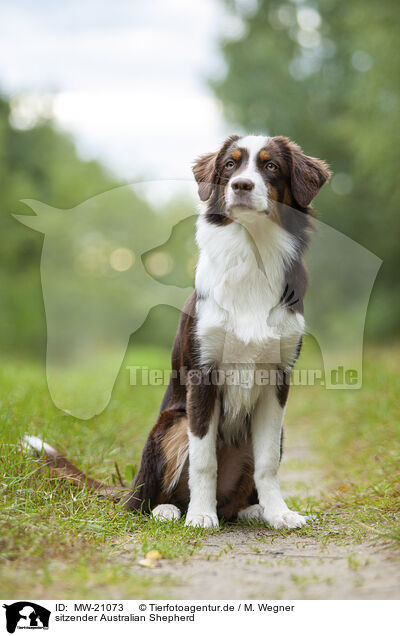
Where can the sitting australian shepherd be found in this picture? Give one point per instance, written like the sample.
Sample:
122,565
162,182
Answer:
215,450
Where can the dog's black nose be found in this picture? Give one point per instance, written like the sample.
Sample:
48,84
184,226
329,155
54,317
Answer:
242,184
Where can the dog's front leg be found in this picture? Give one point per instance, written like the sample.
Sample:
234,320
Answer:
266,435
203,412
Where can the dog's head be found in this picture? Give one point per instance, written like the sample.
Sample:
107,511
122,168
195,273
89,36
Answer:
248,175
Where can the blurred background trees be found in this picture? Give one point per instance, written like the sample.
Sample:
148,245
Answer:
38,163
42,163
326,74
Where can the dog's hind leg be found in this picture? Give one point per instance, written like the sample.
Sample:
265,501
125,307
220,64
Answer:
146,485
253,513
162,462
166,512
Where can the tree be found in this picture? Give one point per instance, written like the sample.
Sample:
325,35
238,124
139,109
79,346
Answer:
42,163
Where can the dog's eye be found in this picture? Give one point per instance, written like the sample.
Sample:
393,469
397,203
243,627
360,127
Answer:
230,164
271,166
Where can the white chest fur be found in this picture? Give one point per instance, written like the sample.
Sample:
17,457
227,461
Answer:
239,282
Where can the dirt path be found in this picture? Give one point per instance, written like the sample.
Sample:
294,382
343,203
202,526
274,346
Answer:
254,566
242,562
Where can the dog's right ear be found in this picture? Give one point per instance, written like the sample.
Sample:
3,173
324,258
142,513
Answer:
204,171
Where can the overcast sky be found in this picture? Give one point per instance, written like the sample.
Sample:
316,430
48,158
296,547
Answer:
128,77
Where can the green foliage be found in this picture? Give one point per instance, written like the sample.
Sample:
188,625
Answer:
329,79
41,163
38,163
62,538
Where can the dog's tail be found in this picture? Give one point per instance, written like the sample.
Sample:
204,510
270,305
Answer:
61,467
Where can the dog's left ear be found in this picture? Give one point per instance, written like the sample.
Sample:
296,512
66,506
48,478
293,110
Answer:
204,171
308,175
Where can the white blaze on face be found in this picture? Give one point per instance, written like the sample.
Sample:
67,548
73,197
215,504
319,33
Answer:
258,196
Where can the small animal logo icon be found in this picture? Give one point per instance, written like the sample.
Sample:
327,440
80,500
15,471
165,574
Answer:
26,615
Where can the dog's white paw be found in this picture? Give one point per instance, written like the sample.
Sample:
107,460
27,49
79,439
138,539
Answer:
285,519
202,520
252,513
166,512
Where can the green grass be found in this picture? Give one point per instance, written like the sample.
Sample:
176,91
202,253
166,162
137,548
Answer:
355,435
58,541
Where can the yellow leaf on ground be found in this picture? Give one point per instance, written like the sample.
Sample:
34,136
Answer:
147,563
154,555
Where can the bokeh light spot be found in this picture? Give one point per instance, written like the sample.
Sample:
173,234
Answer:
159,263
122,259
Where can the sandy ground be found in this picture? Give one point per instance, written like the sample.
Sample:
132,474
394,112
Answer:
259,565
242,562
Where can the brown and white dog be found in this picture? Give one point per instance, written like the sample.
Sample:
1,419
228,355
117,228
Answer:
215,449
